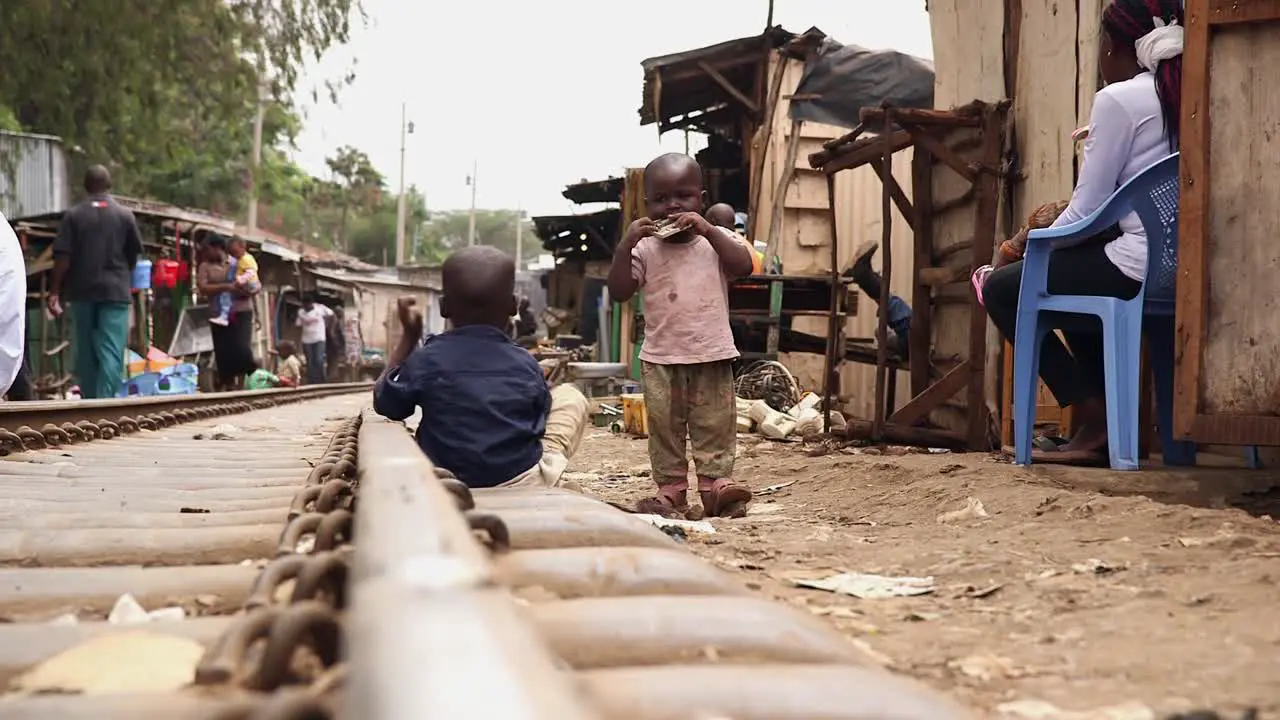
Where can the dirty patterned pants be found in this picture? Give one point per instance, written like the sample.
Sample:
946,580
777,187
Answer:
693,401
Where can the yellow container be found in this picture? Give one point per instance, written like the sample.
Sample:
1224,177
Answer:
635,418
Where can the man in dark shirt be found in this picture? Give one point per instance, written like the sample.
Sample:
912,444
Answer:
95,251
488,417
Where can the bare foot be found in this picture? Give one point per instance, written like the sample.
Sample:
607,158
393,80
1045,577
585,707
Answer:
1091,434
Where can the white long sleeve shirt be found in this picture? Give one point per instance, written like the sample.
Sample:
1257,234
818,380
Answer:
13,305
1126,135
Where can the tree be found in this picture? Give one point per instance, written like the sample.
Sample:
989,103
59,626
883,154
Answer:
163,92
360,182
447,231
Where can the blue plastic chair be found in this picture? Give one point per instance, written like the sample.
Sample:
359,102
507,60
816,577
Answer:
1153,195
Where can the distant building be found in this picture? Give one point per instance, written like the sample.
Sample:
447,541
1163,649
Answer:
33,175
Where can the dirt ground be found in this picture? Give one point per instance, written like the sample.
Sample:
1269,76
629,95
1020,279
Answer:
1120,594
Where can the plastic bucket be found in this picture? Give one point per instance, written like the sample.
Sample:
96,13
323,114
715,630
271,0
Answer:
142,275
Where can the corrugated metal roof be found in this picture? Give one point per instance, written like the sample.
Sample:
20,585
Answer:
347,277
676,85
33,175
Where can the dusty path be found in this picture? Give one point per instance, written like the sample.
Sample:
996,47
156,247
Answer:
1085,589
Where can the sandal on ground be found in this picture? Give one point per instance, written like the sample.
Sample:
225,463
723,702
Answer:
662,507
727,501
1060,456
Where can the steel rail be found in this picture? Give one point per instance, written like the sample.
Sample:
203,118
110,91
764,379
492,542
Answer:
430,634
33,425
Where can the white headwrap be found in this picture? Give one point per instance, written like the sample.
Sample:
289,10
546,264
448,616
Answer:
1162,43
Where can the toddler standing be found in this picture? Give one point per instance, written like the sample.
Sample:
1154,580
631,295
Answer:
244,273
688,347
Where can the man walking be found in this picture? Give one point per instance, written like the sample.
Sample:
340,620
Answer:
312,318
97,246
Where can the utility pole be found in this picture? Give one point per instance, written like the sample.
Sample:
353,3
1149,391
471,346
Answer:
519,237
256,160
406,128
471,223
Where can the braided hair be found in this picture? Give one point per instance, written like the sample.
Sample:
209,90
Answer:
1126,21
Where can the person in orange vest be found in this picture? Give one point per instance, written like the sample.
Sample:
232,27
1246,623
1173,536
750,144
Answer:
723,215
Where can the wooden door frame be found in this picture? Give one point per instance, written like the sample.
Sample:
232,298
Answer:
1194,239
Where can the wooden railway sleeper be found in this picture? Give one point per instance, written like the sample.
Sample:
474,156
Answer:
284,705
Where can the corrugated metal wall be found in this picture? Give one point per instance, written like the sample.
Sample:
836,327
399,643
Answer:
33,175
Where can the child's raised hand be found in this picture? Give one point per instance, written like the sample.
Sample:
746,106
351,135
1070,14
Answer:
693,221
641,228
410,318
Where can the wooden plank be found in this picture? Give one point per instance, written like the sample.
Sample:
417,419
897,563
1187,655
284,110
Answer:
861,152
929,141
886,274
1227,12
833,321
921,295
728,87
968,54
986,216
1088,44
923,403
760,143
968,115
1045,111
899,196
1193,219
1242,327
1236,430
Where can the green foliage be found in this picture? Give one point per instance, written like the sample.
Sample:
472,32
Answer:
9,121
164,92
447,231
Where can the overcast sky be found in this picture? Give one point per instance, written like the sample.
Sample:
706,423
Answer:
540,94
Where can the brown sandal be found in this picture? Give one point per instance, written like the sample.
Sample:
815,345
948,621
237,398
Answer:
662,507
727,501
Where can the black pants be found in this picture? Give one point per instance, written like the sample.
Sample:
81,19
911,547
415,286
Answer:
315,355
1082,270
22,390
233,348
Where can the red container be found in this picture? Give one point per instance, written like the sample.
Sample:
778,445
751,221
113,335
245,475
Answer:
166,274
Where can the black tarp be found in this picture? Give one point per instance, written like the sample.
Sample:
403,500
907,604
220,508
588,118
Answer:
842,79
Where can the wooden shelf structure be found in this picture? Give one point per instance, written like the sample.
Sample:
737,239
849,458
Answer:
770,299
948,246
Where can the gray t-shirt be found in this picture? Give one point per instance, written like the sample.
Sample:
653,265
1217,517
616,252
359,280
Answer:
100,239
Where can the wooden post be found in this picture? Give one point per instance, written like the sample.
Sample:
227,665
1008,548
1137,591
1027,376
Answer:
921,295
833,317
986,215
886,275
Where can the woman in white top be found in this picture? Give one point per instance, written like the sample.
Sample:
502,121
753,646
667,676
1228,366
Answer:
1134,123
13,305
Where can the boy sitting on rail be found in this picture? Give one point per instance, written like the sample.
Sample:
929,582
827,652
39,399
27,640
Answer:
488,417
688,346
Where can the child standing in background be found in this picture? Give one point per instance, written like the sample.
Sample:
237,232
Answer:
688,347
244,273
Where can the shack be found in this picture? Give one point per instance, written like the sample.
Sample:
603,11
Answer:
582,246
766,103
168,232
33,175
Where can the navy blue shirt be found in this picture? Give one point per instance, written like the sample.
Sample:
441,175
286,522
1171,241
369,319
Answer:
484,403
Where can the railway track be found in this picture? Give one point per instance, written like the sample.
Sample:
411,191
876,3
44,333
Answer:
323,571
